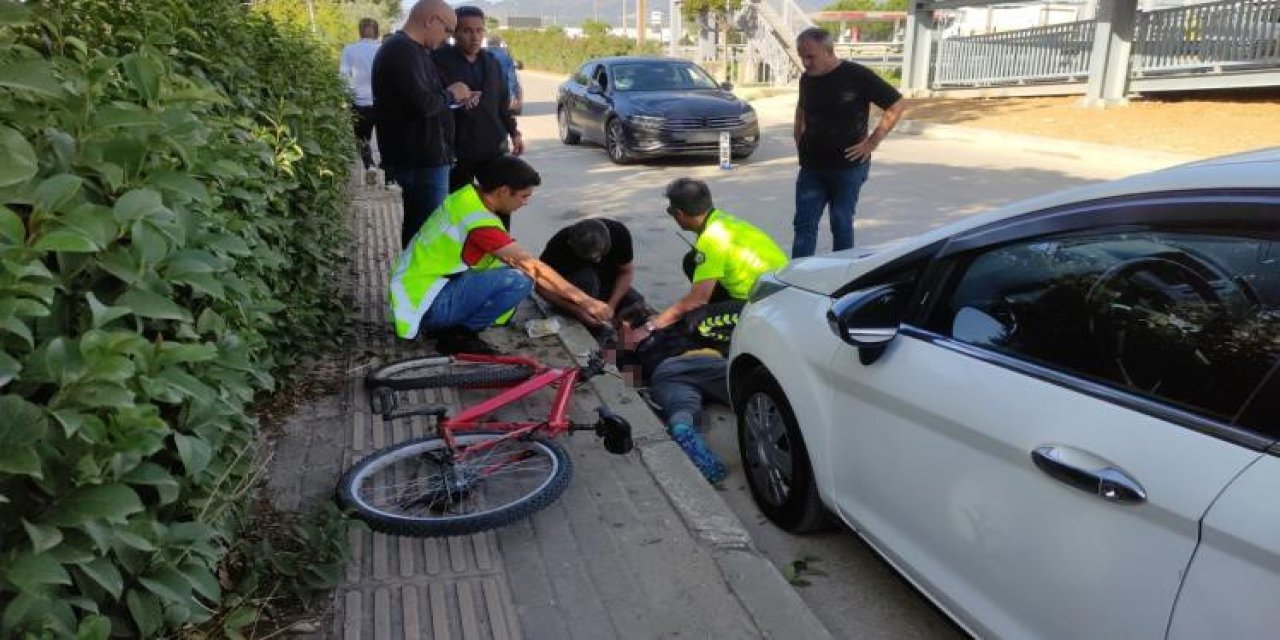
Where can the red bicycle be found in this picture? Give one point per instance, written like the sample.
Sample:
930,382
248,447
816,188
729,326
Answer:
473,474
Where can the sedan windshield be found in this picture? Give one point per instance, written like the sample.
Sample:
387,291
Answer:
660,76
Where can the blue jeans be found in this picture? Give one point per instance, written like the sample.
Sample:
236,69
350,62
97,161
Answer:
422,190
815,190
474,299
681,383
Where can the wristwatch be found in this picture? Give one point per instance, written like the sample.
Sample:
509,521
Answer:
650,327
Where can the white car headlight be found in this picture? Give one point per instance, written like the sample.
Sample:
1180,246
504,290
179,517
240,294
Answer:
748,116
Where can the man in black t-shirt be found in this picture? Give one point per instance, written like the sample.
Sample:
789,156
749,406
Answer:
595,255
831,138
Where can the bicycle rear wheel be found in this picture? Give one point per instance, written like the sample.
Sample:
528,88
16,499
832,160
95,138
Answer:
411,489
441,371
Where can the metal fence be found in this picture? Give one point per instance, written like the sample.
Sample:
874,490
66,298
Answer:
1057,53
1221,35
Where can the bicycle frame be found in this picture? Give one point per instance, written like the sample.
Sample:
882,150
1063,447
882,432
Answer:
470,418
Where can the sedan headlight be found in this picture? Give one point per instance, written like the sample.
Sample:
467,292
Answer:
765,286
748,116
647,122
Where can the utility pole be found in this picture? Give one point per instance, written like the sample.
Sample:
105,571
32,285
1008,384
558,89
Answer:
642,22
311,11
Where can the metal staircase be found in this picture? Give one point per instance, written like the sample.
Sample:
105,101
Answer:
771,27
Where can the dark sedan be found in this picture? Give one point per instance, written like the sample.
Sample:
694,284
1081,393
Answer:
640,107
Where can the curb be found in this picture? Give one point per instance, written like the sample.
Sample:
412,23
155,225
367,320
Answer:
1145,159
775,607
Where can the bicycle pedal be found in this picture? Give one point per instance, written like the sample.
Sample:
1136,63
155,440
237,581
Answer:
382,401
616,432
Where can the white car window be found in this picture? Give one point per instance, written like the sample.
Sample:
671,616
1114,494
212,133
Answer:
1190,319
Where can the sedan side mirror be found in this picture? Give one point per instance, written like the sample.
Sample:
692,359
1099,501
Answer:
595,89
869,319
727,86
519,65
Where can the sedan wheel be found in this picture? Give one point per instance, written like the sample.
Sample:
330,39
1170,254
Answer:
567,134
616,142
775,458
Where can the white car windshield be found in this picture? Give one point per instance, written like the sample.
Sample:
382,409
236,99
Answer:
660,76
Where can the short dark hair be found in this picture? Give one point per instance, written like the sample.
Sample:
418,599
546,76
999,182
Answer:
589,239
368,25
469,11
818,35
506,171
691,196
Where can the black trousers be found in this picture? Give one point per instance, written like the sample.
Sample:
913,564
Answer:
599,285
720,294
364,133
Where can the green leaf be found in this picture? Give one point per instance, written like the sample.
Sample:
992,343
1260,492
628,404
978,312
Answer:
67,240
168,583
175,353
146,611
136,205
144,72
30,571
133,540
53,193
195,453
14,15
42,538
203,581
9,368
31,76
150,244
122,116
239,618
18,162
150,305
153,475
112,502
94,628
24,424
102,314
181,184
94,221
12,228
105,574
19,328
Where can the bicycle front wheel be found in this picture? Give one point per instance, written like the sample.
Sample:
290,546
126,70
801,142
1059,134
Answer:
413,489
441,371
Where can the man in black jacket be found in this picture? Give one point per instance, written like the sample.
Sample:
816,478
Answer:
481,131
412,107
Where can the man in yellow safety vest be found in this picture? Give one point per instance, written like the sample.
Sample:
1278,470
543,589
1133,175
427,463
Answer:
462,272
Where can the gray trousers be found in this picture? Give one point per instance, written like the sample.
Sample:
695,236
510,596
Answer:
681,384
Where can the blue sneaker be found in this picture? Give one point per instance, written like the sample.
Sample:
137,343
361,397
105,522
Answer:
691,441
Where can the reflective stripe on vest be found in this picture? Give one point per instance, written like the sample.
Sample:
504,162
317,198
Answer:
421,270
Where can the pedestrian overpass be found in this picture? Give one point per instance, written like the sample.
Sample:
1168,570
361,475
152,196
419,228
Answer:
1117,51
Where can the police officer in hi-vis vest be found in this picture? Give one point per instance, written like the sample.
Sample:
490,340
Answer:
462,272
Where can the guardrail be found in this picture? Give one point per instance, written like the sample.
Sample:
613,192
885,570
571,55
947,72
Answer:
1207,37
1057,53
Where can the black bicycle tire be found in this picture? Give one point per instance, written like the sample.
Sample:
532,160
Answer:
496,374
460,525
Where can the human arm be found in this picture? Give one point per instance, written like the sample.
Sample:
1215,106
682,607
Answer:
797,127
505,108
868,145
546,279
699,295
414,81
621,284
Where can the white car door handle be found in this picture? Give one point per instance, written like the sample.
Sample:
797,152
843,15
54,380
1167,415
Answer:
1101,479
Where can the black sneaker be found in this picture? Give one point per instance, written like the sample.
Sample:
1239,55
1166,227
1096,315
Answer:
463,341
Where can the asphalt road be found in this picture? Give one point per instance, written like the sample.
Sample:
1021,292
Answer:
915,184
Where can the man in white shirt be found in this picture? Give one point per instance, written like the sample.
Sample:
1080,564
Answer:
357,67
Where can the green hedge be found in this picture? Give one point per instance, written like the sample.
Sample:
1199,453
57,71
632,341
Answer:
552,50
172,189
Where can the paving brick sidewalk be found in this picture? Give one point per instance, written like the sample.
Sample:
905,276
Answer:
620,555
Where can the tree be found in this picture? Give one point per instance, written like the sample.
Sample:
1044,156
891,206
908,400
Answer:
595,28
718,11
870,31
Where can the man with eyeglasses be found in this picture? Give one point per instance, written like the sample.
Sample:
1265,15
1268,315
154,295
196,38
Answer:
412,106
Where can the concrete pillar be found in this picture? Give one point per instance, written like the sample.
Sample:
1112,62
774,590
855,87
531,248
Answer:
918,49
677,26
1112,47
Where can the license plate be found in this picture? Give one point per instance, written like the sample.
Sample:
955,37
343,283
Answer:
702,136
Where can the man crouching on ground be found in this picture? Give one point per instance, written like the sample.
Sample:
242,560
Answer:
462,272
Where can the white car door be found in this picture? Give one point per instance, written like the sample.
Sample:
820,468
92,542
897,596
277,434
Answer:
1032,458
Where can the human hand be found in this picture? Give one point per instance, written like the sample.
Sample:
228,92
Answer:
473,101
517,144
460,91
862,150
514,105
598,311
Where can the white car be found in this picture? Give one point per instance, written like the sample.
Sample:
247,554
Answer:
1058,419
